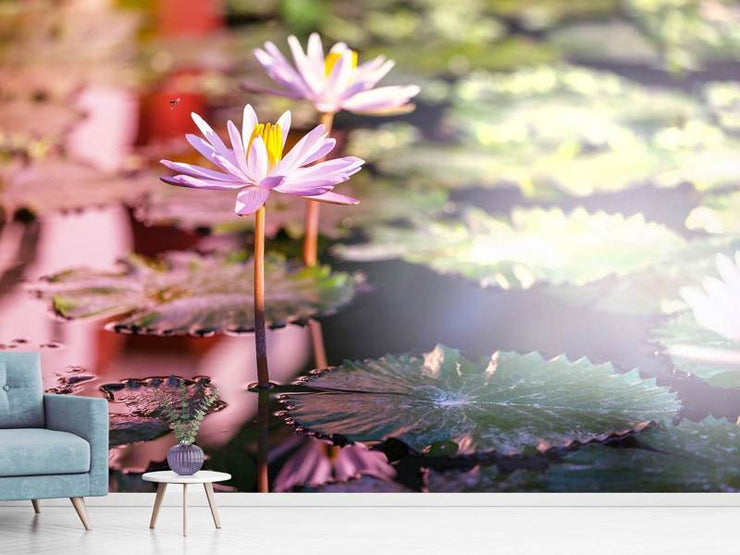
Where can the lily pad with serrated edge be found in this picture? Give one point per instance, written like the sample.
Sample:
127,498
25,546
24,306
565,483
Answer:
52,185
488,479
190,209
560,130
127,429
655,289
138,416
508,403
362,484
688,34
572,169
723,98
446,57
545,14
373,145
684,340
536,245
189,293
382,200
690,457
605,41
716,214
538,174
25,120
550,106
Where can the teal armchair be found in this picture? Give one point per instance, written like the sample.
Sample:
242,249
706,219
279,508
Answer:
50,445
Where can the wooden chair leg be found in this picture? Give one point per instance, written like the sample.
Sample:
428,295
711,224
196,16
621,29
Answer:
81,508
212,504
157,504
36,506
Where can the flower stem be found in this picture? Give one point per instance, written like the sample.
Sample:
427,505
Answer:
260,334
317,344
311,223
263,441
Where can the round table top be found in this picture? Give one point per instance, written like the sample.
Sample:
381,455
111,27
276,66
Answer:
200,477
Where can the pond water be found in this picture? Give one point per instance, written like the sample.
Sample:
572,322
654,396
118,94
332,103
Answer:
63,218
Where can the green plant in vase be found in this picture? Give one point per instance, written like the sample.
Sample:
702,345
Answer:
184,415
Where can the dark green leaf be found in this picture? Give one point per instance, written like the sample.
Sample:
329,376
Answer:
697,350
197,294
691,457
537,245
506,403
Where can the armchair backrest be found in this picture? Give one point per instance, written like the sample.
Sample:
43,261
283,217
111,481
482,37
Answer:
21,391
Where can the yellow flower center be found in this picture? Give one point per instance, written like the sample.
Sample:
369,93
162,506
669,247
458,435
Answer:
333,57
272,136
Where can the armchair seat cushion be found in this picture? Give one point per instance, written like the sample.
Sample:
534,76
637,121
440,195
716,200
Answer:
38,451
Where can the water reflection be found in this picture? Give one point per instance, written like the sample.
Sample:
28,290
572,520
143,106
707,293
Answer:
106,136
312,462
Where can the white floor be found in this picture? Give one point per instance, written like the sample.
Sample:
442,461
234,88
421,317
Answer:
399,530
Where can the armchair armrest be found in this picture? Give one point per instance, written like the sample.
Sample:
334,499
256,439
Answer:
86,417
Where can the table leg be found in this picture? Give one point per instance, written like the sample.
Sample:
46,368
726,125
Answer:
184,509
212,503
157,504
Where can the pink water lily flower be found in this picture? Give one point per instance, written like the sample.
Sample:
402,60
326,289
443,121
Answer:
334,82
255,165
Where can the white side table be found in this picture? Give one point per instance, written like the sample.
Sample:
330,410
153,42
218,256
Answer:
205,477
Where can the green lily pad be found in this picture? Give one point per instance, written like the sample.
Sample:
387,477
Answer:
398,23
127,429
190,209
723,98
711,168
55,185
553,105
697,350
363,484
383,200
544,14
612,40
448,22
448,57
689,33
138,415
717,214
571,170
690,457
537,245
189,293
373,145
507,403
560,130
35,126
489,479
654,289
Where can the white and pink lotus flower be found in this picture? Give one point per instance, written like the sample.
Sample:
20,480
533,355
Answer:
717,307
255,166
335,81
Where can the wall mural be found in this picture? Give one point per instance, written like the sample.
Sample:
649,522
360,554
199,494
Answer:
382,246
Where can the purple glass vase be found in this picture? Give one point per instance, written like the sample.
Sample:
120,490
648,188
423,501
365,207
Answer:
185,459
